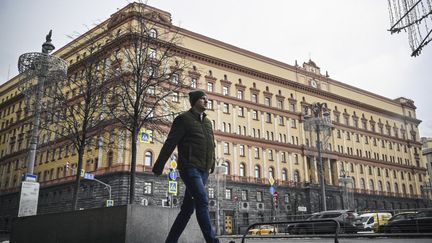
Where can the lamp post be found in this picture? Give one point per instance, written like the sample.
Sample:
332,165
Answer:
319,124
46,68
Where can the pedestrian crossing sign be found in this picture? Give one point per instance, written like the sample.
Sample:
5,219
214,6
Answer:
146,136
172,187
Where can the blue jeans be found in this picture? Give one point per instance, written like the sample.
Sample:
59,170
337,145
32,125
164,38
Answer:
195,198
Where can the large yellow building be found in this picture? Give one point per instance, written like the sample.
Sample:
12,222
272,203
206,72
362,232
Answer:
257,108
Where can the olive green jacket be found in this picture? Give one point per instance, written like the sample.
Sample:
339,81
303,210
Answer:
194,140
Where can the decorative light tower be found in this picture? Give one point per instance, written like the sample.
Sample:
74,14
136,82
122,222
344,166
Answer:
318,127
46,69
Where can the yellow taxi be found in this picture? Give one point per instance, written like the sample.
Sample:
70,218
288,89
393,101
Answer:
263,230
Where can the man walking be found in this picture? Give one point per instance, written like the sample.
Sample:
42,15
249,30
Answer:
192,133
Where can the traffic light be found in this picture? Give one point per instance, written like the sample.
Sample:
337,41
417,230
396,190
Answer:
275,199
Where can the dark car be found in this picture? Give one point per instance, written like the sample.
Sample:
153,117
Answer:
420,222
344,217
399,216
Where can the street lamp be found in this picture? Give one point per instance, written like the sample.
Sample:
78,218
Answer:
46,68
319,125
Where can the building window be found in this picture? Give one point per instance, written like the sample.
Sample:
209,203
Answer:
194,83
280,104
283,157
292,107
228,193
226,164
371,185
210,105
244,195
255,115
257,155
240,94
241,111
242,150
254,98
211,192
284,175
148,188
110,158
153,33
271,172
226,148
257,171
148,158
242,169
259,196
270,154
293,123
175,96
296,159
362,184
281,120
268,117
225,108
267,101
296,176
225,90
210,86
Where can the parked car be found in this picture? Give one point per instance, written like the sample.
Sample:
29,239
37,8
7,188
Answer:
399,216
420,222
371,221
344,217
263,230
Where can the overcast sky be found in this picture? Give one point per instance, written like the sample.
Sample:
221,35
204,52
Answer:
349,39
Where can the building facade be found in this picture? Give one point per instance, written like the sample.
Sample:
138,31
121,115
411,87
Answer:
256,105
426,188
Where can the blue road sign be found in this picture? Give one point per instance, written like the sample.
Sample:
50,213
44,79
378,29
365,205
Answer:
30,177
173,175
88,176
272,190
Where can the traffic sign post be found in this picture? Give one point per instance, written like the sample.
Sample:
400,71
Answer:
109,203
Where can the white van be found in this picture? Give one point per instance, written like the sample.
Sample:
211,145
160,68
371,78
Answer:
371,221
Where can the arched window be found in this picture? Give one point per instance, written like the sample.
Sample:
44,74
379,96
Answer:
284,175
403,189
242,169
411,190
110,158
271,172
148,158
371,185
257,171
396,188
226,164
296,176
153,33
380,186
223,127
362,184
388,187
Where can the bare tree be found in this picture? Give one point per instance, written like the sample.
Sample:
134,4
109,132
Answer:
147,72
75,109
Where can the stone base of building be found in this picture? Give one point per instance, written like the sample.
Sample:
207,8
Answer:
128,224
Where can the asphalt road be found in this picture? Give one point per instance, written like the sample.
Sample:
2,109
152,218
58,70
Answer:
328,240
